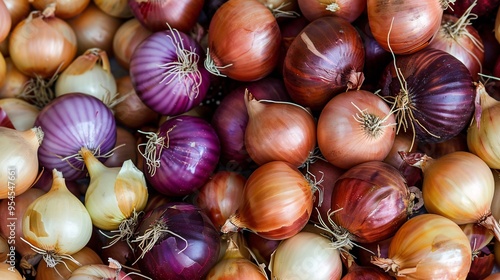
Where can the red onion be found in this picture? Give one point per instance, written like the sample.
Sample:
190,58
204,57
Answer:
70,122
177,241
437,100
482,9
167,72
181,156
326,58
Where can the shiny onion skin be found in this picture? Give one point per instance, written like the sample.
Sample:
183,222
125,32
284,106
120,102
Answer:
243,41
355,127
187,249
428,246
410,24
277,202
371,201
167,72
156,15
438,100
184,153
326,58
70,122
279,131
346,9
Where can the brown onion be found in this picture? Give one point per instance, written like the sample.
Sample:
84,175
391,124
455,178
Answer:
5,21
65,9
243,41
262,248
18,9
126,38
115,8
277,202
94,29
278,131
14,80
326,58
125,149
346,9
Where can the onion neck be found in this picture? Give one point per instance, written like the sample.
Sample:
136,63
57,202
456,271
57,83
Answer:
94,166
58,182
489,222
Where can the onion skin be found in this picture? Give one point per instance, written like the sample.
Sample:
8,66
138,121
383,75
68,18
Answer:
326,58
126,38
65,9
14,80
18,9
440,94
348,10
5,22
372,200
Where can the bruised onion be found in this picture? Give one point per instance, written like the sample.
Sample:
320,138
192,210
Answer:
326,58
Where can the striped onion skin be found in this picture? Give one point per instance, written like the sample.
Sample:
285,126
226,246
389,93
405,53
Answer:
167,72
187,151
440,93
70,122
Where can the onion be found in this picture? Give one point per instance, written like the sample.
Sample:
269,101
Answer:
437,150
176,241
483,9
125,149
98,272
181,156
5,251
432,92
14,80
18,9
355,127
243,41
348,10
326,58
5,21
482,266
94,29
85,256
306,255
277,202
167,73
403,142
70,122
282,9
159,15
28,43
126,39
458,186
115,8
458,37
278,131
357,272
20,113
428,246
262,248
64,9
10,272
408,25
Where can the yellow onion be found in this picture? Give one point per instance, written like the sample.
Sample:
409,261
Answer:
5,21
19,160
278,131
277,202
458,186
304,256
64,8
89,73
21,113
56,224
42,45
18,9
61,272
115,195
128,36
115,8
10,272
428,246
482,135
14,80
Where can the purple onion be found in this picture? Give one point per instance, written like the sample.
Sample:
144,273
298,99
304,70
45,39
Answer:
439,100
70,122
167,72
180,157
187,247
231,117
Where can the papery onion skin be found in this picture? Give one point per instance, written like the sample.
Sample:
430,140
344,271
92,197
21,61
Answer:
428,246
246,51
70,122
165,77
410,25
326,58
277,202
166,260
439,93
371,201
190,155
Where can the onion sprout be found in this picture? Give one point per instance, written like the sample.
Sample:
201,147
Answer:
212,68
371,123
125,230
154,147
38,91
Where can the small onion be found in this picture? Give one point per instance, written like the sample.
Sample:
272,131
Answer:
65,9
126,39
243,41
428,246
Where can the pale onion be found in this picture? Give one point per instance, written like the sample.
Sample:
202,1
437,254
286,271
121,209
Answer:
65,9
100,272
9,272
458,186
19,159
89,73
482,134
115,8
60,272
57,225
94,29
42,45
428,246
5,21
278,131
306,255
128,36
14,80
18,9
3,70
21,113
115,196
